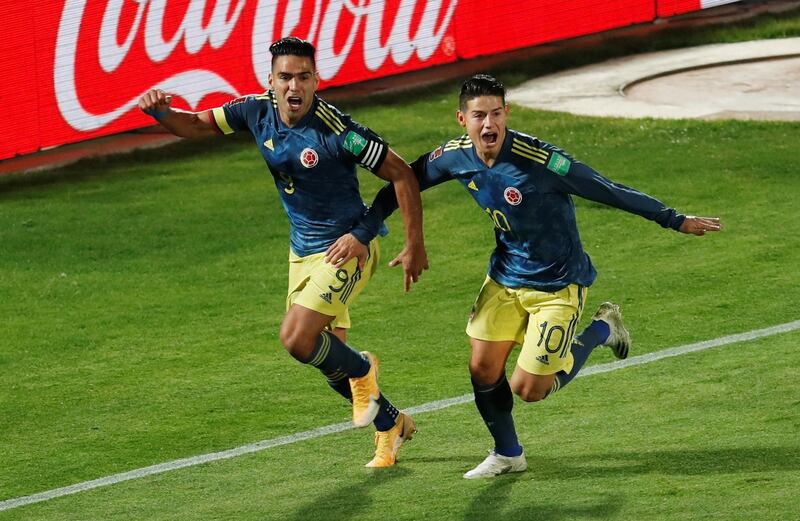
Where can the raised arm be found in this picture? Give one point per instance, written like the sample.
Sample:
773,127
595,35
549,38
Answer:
156,103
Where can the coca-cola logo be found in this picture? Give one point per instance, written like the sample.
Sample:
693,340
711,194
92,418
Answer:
206,28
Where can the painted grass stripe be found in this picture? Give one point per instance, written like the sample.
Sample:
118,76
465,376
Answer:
341,427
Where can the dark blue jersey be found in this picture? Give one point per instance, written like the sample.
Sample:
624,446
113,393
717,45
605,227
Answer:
527,194
313,164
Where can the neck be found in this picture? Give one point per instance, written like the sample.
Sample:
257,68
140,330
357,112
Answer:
487,157
289,122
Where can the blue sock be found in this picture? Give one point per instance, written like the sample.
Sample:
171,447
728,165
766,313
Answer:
595,334
495,402
341,384
387,415
336,359
591,337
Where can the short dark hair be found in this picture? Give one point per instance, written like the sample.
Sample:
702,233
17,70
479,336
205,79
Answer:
293,46
480,85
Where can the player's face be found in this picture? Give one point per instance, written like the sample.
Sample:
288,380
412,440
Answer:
484,119
294,81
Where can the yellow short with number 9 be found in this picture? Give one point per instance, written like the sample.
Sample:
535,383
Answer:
543,323
318,285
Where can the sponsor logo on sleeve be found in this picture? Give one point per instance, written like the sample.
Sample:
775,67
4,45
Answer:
354,143
558,164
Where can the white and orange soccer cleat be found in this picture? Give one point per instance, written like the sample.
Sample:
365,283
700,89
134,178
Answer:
388,443
366,393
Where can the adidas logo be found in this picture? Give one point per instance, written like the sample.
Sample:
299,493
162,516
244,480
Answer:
326,297
543,359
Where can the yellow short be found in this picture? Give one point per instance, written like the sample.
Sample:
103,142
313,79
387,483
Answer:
317,285
544,323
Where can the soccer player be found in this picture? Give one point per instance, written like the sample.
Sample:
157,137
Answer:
311,150
538,273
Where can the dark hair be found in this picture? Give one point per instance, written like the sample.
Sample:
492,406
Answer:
293,46
480,85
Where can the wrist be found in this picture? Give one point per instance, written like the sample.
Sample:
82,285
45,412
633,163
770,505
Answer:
157,114
415,244
363,236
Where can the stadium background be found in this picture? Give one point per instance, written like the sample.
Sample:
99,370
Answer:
73,69
140,329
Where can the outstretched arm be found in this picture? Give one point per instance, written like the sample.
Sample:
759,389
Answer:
156,103
584,181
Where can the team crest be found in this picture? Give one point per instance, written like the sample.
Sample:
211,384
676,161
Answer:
309,158
512,196
436,153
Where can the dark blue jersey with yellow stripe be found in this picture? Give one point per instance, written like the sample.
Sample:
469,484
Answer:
313,164
527,195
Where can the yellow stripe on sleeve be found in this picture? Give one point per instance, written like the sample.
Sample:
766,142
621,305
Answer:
325,119
222,122
330,118
526,153
522,145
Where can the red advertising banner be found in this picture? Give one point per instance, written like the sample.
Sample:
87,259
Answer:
74,69
515,25
665,8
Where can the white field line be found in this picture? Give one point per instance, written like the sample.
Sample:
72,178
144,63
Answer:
340,427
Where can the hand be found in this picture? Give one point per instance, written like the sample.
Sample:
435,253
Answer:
414,261
156,103
700,225
345,248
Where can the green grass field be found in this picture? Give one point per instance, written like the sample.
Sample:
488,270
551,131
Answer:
141,297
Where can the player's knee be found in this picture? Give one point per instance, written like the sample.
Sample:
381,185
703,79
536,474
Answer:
529,393
482,373
296,343
532,396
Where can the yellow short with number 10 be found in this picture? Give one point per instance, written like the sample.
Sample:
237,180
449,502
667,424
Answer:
543,323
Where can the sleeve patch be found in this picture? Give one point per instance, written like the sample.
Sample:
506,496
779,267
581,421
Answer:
435,154
354,143
558,164
238,100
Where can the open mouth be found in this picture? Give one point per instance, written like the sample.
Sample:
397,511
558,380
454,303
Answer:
295,102
489,138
